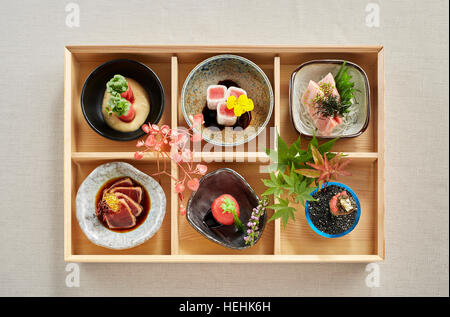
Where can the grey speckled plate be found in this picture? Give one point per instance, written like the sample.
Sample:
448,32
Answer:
248,76
97,232
316,70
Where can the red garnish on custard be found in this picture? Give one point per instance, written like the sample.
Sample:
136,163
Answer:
130,116
128,95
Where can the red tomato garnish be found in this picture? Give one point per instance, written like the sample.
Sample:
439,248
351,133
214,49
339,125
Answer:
130,116
128,95
225,218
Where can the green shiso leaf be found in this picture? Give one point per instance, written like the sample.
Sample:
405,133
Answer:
329,105
345,86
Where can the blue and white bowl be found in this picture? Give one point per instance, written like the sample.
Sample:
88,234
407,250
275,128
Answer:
248,76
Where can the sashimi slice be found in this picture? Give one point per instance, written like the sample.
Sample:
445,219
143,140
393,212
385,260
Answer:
325,125
214,95
124,182
310,93
225,116
338,119
235,91
122,218
135,208
134,193
329,79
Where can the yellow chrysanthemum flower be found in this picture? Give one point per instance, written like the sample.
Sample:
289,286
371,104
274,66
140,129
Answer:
241,105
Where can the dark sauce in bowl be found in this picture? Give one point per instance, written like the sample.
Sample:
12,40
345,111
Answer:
210,116
145,203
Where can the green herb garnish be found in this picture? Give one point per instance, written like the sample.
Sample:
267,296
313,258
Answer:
117,84
229,206
116,103
344,86
329,105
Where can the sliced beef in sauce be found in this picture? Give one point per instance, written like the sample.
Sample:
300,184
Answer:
124,182
122,218
136,209
134,193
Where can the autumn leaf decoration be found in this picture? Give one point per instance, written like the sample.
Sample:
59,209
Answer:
324,169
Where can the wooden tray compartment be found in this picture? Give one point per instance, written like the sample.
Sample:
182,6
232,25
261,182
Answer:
187,62
366,142
191,242
86,139
299,238
177,241
159,244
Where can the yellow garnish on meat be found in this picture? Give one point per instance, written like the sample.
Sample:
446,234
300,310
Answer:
240,105
112,201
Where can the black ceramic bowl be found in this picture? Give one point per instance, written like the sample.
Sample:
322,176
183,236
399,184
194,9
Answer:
212,185
94,89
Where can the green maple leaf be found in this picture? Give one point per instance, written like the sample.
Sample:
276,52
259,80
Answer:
306,156
283,211
291,180
274,184
284,155
291,183
303,192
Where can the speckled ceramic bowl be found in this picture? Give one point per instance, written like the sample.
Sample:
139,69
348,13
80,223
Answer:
243,72
316,70
95,230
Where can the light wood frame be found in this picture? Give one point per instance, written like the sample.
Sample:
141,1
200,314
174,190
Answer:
84,149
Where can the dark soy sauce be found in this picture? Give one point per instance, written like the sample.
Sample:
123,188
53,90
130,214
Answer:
145,203
210,116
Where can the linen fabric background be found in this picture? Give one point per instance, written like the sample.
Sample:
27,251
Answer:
415,36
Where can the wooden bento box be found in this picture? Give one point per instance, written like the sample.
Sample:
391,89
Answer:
177,241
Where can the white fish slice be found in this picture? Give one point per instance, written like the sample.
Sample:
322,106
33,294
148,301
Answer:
225,116
235,91
214,95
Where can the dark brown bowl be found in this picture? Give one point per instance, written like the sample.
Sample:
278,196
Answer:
212,185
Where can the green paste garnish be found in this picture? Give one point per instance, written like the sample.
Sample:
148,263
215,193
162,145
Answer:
117,104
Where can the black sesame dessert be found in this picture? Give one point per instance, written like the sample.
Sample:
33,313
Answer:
335,210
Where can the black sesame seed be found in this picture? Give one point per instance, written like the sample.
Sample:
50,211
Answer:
321,217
